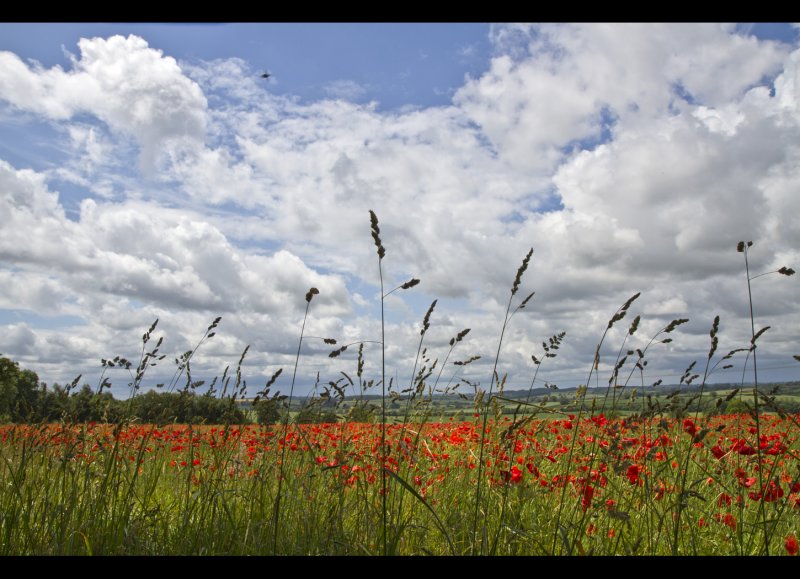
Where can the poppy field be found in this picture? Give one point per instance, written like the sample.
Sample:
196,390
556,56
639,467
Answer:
678,479
579,485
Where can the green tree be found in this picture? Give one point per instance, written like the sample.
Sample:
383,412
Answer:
9,377
268,411
19,392
27,400
81,405
52,404
213,410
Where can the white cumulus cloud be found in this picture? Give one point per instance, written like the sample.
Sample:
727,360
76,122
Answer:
133,88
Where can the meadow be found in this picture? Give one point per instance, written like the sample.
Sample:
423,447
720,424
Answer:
505,475
564,487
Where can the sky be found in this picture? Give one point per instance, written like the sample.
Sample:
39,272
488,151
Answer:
148,171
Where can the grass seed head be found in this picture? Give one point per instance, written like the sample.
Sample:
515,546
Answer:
426,320
376,234
520,271
311,293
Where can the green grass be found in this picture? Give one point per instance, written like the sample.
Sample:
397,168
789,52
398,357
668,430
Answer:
130,495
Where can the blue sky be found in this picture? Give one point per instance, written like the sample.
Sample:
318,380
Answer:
397,64
147,170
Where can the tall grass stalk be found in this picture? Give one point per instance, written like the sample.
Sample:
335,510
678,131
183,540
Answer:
277,516
742,247
514,289
382,453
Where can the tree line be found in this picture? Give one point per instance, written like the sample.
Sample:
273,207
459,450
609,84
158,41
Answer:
24,399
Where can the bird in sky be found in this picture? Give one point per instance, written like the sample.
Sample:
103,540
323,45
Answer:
265,75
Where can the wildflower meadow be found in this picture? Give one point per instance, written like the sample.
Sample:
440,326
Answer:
502,476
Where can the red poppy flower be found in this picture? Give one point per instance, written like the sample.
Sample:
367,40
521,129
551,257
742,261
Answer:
586,498
633,474
743,448
773,492
791,545
724,500
730,520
